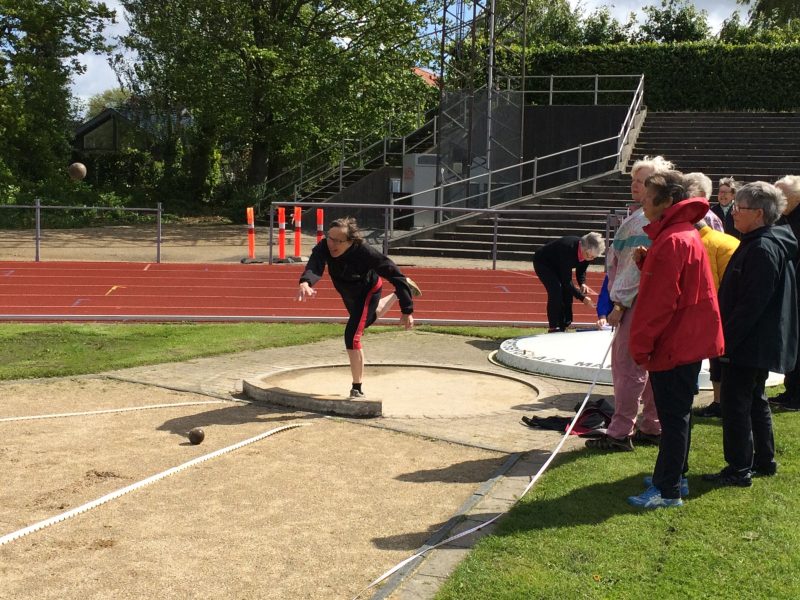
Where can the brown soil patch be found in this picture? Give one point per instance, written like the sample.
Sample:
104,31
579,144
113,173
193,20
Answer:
313,512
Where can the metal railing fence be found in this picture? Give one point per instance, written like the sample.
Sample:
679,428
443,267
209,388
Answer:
388,209
38,207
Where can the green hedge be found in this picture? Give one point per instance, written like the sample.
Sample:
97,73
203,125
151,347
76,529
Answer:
694,76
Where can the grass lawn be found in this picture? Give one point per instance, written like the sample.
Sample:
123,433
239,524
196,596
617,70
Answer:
58,349
573,536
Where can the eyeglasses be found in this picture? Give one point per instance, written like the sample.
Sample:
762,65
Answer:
738,207
337,242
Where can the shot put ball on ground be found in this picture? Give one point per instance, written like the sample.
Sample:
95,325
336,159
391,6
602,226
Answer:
196,435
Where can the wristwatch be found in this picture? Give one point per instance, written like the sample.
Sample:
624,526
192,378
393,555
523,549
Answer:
619,307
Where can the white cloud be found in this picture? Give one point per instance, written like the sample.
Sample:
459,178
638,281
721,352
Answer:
99,76
718,10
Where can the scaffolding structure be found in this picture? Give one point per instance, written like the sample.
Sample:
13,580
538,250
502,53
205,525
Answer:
480,125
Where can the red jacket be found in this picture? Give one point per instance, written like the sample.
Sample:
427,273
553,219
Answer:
676,320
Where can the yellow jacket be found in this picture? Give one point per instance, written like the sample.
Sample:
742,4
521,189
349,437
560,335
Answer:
720,247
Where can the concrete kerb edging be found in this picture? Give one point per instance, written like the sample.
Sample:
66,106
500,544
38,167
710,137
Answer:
328,405
445,531
255,389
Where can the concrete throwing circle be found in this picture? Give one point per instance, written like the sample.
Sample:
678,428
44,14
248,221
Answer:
411,391
575,356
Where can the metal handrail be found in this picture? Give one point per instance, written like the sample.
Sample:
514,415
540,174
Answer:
633,109
551,90
390,208
335,159
38,207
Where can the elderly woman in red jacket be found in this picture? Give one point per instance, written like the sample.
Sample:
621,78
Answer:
676,325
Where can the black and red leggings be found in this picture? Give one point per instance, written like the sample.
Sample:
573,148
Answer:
362,315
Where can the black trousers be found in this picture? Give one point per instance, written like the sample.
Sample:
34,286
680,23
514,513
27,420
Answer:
559,297
792,382
747,438
673,392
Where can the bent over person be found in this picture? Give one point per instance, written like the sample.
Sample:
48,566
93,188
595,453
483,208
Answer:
356,270
553,264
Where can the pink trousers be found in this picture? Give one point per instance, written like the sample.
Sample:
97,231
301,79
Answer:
631,387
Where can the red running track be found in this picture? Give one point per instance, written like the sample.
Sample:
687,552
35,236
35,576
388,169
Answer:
84,291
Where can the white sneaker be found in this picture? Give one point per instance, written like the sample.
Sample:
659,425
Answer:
354,393
413,287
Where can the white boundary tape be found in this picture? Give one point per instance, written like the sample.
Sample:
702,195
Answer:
135,486
533,480
111,410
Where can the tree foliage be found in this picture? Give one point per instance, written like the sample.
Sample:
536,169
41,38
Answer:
600,28
674,21
40,42
778,11
267,81
111,98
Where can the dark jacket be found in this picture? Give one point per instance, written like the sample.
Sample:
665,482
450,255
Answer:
561,256
792,220
355,272
727,220
676,321
758,301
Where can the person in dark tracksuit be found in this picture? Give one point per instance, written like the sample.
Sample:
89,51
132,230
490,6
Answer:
553,264
789,399
356,270
758,304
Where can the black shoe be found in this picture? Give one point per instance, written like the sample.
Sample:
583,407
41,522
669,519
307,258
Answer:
766,471
712,410
780,400
729,477
646,439
792,405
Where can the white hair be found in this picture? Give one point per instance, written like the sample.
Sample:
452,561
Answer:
731,183
594,242
698,184
765,196
789,185
657,164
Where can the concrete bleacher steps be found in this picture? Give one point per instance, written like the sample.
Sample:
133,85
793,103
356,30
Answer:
749,146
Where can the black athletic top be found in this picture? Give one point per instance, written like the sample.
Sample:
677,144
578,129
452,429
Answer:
355,272
561,256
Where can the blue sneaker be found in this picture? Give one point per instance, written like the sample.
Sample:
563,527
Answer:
651,498
648,481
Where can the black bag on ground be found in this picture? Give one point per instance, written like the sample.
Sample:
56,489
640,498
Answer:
593,420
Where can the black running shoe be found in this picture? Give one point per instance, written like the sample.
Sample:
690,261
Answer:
729,477
712,410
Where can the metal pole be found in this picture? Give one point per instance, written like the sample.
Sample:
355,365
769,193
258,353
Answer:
596,86
551,91
158,233
271,225
494,244
490,93
386,231
580,159
535,173
38,232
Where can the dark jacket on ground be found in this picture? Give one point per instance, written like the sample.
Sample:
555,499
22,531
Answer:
758,301
355,272
727,220
561,256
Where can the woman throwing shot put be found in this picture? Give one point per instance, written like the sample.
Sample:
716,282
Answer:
356,270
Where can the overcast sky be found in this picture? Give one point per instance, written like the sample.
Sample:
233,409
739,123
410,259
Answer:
99,76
